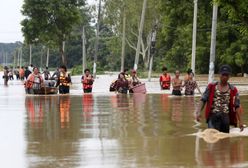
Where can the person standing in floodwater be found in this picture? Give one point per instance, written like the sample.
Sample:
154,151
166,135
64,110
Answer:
126,74
27,72
165,80
134,81
190,85
64,80
11,74
122,84
87,81
34,82
223,103
21,73
177,84
6,75
46,74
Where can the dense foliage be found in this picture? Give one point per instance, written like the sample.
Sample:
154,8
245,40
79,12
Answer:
174,34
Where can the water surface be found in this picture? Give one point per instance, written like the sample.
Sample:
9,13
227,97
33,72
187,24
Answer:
108,130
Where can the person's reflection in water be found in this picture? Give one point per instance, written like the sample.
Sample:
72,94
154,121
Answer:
225,153
165,102
50,145
139,100
35,111
122,102
87,106
64,108
177,106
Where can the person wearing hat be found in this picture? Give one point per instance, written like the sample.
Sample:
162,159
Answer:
134,81
222,103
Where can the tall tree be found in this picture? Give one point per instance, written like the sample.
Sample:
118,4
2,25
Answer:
51,21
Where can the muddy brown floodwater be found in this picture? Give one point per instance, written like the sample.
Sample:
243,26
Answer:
108,131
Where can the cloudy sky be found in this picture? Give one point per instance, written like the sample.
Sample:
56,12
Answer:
10,18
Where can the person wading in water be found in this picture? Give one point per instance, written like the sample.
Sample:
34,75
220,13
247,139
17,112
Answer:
165,80
177,84
190,85
87,81
47,74
134,81
122,84
34,82
6,75
223,103
64,80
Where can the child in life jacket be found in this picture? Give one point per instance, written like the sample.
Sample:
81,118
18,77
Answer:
165,80
87,81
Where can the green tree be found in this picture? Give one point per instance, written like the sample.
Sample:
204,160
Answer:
50,22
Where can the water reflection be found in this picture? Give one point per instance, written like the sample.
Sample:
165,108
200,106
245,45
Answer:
64,109
121,131
87,106
35,111
52,134
225,153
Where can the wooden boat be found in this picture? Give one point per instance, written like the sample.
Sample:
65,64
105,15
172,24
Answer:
48,90
141,88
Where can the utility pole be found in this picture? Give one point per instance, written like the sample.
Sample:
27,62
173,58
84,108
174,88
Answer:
6,56
141,26
194,37
123,40
83,51
152,50
63,51
213,43
20,57
97,38
30,54
14,62
47,57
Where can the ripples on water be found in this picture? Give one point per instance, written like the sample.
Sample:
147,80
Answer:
108,130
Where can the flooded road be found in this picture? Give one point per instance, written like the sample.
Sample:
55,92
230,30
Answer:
108,130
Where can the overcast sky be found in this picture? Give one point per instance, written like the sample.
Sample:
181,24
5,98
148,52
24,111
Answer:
10,18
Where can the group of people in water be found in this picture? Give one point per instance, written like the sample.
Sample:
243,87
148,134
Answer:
35,80
125,82
222,101
178,84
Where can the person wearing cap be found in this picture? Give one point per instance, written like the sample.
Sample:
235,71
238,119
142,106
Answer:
134,80
222,103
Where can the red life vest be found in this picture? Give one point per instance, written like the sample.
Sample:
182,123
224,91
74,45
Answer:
87,84
30,81
232,113
165,81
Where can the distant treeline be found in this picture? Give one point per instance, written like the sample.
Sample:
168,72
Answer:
173,43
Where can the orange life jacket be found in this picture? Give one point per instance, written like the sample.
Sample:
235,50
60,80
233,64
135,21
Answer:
30,81
87,84
63,79
166,81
